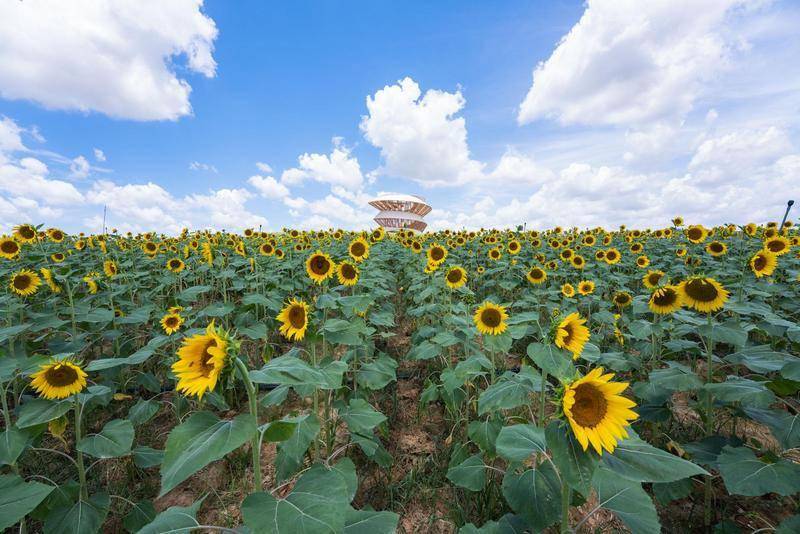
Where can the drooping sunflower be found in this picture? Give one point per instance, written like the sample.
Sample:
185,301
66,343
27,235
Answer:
490,319
9,248
294,320
201,360
622,299
571,334
717,248
25,283
110,268
171,322
347,273
596,411
586,287
25,233
778,245
665,300
175,265
704,294
358,249
455,277
91,282
696,233
58,379
568,290
763,263
47,274
652,278
319,267
208,253
536,275
436,254
612,256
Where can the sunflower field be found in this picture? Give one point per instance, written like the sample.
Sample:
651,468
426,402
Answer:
367,382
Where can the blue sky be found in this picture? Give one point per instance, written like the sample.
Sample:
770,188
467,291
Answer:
163,111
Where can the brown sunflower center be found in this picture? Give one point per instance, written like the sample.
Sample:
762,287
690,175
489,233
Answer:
437,253
568,329
537,273
665,297
694,233
653,278
27,232
171,322
174,264
320,265
206,359
22,282
357,249
611,255
454,276
9,247
297,316
513,246
716,247
61,375
348,272
491,317
590,406
760,262
622,299
701,290
495,253
776,245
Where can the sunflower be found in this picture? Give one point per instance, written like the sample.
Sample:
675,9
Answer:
703,294
778,245
25,283
110,268
58,379
416,247
319,267
536,275
596,411
567,290
175,265
490,319
9,248
149,248
696,233
514,247
25,233
677,221
208,254
600,255
566,254
622,299
171,322
266,249
201,360
763,263
665,300
347,273
91,282
55,235
680,252
455,277
431,267
642,261
586,287
47,274
294,319
436,254
571,334
358,249
717,248
612,256
578,262
495,254
80,244
652,278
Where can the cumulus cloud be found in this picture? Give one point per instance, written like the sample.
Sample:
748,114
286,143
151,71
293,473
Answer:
268,187
339,168
627,61
113,57
79,168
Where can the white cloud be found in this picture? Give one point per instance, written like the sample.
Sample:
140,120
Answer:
268,187
116,58
197,166
27,178
79,168
99,155
10,138
740,151
628,61
295,203
264,167
338,168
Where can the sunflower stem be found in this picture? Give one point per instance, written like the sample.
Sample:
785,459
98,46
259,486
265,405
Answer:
542,399
565,495
252,398
709,417
79,455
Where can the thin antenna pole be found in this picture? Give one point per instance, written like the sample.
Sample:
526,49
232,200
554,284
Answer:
788,207
104,218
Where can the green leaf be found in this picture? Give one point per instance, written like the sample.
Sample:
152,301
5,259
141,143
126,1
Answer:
370,522
12,331
484,432
676,377
424,351
292,451
200,440
469,474
145,457
361,417
744,474
316,505
759,359
191,293
12,443
18,498
550,359
141,513
510,391
378,374
627,500
639,461
783,425
575,465
275,431
516,443
114,440
38,411
535,495
143,411
174,520
79,518
730,333
743,390
291,371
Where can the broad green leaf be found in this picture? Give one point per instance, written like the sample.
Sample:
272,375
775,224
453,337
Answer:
277,430
80,517
37,411
360,416
292,451
574,464
510,391
115,439
759,359
639,461
469,474
552,360
627,500
174,520
742,390
18,498
200,440
377,374
730,333
140,514
744,474
291,371
535,495
516,443
675,377
145,457
370,522
143,411
12,443
783,425
484,432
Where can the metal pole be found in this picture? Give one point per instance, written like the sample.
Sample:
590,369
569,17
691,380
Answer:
788,207
104,218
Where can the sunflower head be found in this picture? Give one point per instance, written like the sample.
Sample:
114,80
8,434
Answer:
763,263
778,245
536,275
437,254
58,379
702,293
25,233
665,300
622,299
347,273
110,268
652,279
455,277
24,283
175,265
358,249
294,320
490,319
696,233
513,247
612,256
571,334
55,235
586,287
597,412
568,290
171,322
319,267
201,360
9,248
642,261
